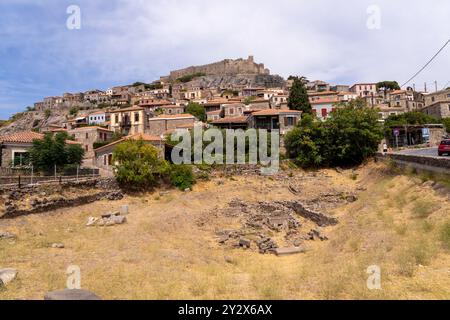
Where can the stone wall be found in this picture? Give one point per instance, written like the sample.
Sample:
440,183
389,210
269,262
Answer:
435,164
225,67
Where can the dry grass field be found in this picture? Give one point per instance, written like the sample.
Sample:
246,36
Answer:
162,253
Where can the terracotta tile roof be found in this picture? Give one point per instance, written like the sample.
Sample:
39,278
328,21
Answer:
170,106
273,112
322,101
143,136
323,93
212,113
26,137
173,116
98,112
22,137
231,120
90,127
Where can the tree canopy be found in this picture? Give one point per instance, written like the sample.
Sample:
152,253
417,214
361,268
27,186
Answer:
53,150
196,110
298,96
348,137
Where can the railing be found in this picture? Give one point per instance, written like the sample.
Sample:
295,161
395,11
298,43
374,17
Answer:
22,181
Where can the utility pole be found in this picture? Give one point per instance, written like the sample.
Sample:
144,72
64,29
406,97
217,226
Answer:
436,86
425,87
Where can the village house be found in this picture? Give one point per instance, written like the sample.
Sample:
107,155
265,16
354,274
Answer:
404,99
103,156
386,110
160,125
213,115
322,108
15,148
93,96
129,120
317,86
233,110
364,89
323,96
88,136
283,120
98,118
437,104
172,109
234,123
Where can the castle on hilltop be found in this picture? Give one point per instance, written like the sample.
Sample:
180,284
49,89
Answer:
224,67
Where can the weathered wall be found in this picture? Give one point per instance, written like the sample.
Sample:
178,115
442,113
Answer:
225,67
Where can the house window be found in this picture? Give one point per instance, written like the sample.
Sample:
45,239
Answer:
86,147
117,118
104,160
290,121
231,111
21,159
136,117
324,113
87,135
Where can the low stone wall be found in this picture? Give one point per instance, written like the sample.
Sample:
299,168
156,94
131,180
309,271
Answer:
41,198
318,218
440,165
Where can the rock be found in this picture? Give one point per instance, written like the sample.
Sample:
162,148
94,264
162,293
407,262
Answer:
351,198
315,234
223,239
58,246
7,275
91,221
118,219
230,260
7,236
245,243
289,251
124,210
71,295
110,215
187,190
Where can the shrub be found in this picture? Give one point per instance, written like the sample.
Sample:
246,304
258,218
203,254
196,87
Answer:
422,209
196,110
181,176
138,165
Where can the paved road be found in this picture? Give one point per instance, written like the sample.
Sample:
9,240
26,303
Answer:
429,152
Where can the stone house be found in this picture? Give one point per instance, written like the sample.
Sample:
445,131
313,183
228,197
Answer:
438,104
87,136
15,148
283,120
233,110
172,109
213,115
364,89
404,99
240,122
160,125
103,156
129,120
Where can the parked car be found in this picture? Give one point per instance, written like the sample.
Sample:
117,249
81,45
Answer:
444,147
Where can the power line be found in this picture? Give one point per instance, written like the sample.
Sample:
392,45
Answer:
428,63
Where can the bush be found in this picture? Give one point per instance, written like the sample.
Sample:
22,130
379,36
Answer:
181,176
138,165
196,110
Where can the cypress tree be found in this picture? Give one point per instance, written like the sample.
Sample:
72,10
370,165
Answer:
298,96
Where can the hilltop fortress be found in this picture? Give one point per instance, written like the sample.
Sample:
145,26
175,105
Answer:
224,67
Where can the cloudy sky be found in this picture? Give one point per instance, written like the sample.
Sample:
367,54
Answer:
123,41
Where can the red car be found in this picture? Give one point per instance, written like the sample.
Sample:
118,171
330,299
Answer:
444,147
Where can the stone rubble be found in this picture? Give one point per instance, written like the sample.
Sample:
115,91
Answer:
7,236
7,275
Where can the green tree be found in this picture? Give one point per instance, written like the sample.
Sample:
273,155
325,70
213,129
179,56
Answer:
47,113
298,96
196,110
53,150
138,165
348,137
446,123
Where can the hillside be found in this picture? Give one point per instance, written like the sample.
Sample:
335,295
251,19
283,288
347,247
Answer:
30,120
169,247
